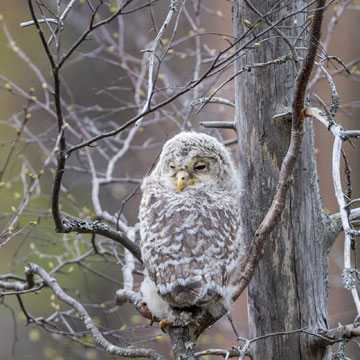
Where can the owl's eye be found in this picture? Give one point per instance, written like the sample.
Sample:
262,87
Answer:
199,166
172,166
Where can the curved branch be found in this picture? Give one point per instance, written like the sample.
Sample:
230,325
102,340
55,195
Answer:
55,68
96,227
88,322
65,226
93,26
340,135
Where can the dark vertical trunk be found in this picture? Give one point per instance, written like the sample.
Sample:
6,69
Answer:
289,289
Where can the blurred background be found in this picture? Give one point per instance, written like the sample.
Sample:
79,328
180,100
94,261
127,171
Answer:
104,85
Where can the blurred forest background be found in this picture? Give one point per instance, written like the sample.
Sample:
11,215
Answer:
104,85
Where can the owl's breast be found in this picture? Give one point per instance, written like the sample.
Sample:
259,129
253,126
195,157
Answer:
189,238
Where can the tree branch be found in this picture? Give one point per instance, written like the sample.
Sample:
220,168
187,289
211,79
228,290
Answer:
336,220
340,135
88,322
246,68
213,100
219,124
324,338
96,227
217,65
341,333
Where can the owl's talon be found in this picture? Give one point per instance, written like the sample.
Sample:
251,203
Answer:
164,324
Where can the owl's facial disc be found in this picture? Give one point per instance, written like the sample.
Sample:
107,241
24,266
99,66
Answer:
196,171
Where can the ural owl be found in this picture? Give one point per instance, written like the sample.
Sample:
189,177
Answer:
189,227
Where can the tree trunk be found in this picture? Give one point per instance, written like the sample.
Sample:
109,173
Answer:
289,288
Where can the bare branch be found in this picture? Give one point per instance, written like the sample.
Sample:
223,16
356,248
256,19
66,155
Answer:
96,227
214,100
219,124
340,135
246,68
341,333
93,26
336,219
152,50
88,322
40,21
331,26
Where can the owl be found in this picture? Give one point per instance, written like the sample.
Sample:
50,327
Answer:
189,229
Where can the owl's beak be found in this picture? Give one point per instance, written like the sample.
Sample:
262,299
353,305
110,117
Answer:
182,180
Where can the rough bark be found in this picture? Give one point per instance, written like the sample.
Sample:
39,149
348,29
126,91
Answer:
182,343
289,288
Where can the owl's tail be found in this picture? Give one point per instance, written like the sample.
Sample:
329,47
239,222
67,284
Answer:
193,293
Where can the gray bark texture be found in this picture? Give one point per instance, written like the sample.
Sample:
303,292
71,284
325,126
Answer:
182,343
289,289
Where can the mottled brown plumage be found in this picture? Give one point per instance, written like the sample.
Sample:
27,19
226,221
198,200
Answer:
189,228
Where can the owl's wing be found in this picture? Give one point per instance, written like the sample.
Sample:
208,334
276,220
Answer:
190,244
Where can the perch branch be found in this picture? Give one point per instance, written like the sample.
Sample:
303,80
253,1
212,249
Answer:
182,343
134,297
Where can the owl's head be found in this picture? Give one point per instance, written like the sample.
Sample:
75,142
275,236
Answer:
193,159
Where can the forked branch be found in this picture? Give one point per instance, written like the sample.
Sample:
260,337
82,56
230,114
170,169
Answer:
66,226
340,136
86,319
